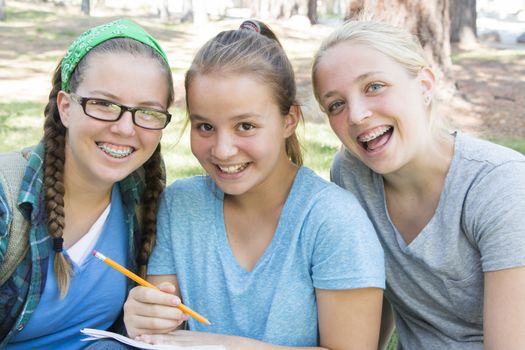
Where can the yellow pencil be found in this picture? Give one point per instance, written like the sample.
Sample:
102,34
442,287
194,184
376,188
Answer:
145,283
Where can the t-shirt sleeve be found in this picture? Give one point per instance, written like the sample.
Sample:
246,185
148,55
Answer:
346,253
495,216
161,261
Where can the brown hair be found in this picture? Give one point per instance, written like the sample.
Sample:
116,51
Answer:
54,159
260,54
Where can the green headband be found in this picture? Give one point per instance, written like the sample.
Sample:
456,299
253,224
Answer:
121,28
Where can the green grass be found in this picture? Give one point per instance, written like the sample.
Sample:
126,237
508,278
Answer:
488,55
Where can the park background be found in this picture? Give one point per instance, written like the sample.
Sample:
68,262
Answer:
478,47
482,85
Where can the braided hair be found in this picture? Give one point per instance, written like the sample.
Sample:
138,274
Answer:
54,160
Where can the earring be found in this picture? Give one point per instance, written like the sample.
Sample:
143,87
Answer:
428,98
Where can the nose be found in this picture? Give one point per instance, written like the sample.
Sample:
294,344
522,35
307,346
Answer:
224,146
124,125
358,111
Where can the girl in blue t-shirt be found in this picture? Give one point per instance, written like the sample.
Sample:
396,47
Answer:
256,246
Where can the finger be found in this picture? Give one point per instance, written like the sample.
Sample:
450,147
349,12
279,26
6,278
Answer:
167,287
154,296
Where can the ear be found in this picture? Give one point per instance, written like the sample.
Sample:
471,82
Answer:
427,80
292,120
64,107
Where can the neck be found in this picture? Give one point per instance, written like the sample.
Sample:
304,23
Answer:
429,166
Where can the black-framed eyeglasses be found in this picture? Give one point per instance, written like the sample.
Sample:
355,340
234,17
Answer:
107,111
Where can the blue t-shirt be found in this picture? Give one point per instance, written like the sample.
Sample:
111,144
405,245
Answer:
95,296
323,240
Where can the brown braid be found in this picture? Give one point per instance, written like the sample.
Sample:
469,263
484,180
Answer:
155,183
54,156
54,159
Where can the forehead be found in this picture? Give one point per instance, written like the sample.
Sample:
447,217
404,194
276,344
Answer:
228,95
356,56
125,74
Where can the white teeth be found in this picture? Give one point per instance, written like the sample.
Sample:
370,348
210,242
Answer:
376,133
116,153
232,169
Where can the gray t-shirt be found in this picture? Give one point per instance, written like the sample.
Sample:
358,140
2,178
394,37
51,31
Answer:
435,284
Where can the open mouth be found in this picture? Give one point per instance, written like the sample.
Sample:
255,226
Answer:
232,169
376,138
114,150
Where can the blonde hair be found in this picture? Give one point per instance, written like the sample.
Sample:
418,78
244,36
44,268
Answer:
259,54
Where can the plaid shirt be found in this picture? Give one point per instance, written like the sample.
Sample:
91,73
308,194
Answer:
20,295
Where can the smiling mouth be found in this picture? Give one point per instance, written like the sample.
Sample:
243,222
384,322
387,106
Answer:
115,151
376,138
233,169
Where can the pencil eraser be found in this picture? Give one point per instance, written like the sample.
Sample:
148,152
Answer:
94,252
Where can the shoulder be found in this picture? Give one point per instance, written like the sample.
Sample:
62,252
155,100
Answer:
349,172
485,152
326,201
489,165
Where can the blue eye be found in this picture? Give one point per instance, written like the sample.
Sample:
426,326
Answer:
334,107
374,87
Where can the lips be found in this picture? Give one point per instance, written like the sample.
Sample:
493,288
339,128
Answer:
115,151
375,138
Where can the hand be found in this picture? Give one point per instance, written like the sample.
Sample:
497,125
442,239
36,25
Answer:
151,311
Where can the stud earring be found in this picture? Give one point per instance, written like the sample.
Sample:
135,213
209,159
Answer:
428,98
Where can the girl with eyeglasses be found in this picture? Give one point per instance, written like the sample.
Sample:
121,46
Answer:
85,187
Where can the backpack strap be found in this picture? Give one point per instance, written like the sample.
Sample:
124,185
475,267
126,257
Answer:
12,167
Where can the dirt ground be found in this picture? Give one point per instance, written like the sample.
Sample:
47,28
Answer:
487,98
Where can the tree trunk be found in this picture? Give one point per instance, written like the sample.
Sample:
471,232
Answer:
85,7
429,20
463,22
2,10
312,11
163,9
354,9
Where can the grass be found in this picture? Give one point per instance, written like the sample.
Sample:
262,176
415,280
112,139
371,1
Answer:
488,55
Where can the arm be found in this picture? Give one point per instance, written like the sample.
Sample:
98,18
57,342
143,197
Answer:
149,311
387,324
504,309
349,319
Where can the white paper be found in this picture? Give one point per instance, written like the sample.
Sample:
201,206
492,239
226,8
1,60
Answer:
96,334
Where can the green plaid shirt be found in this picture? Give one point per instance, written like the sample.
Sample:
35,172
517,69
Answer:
20,295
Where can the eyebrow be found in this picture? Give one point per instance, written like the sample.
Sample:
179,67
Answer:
110,96
358,79
199,118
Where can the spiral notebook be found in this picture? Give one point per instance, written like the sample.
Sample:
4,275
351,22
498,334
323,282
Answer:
96,334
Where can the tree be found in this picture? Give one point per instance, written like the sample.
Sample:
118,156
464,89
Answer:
429,20
463,17
2,10
312,11
85,7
